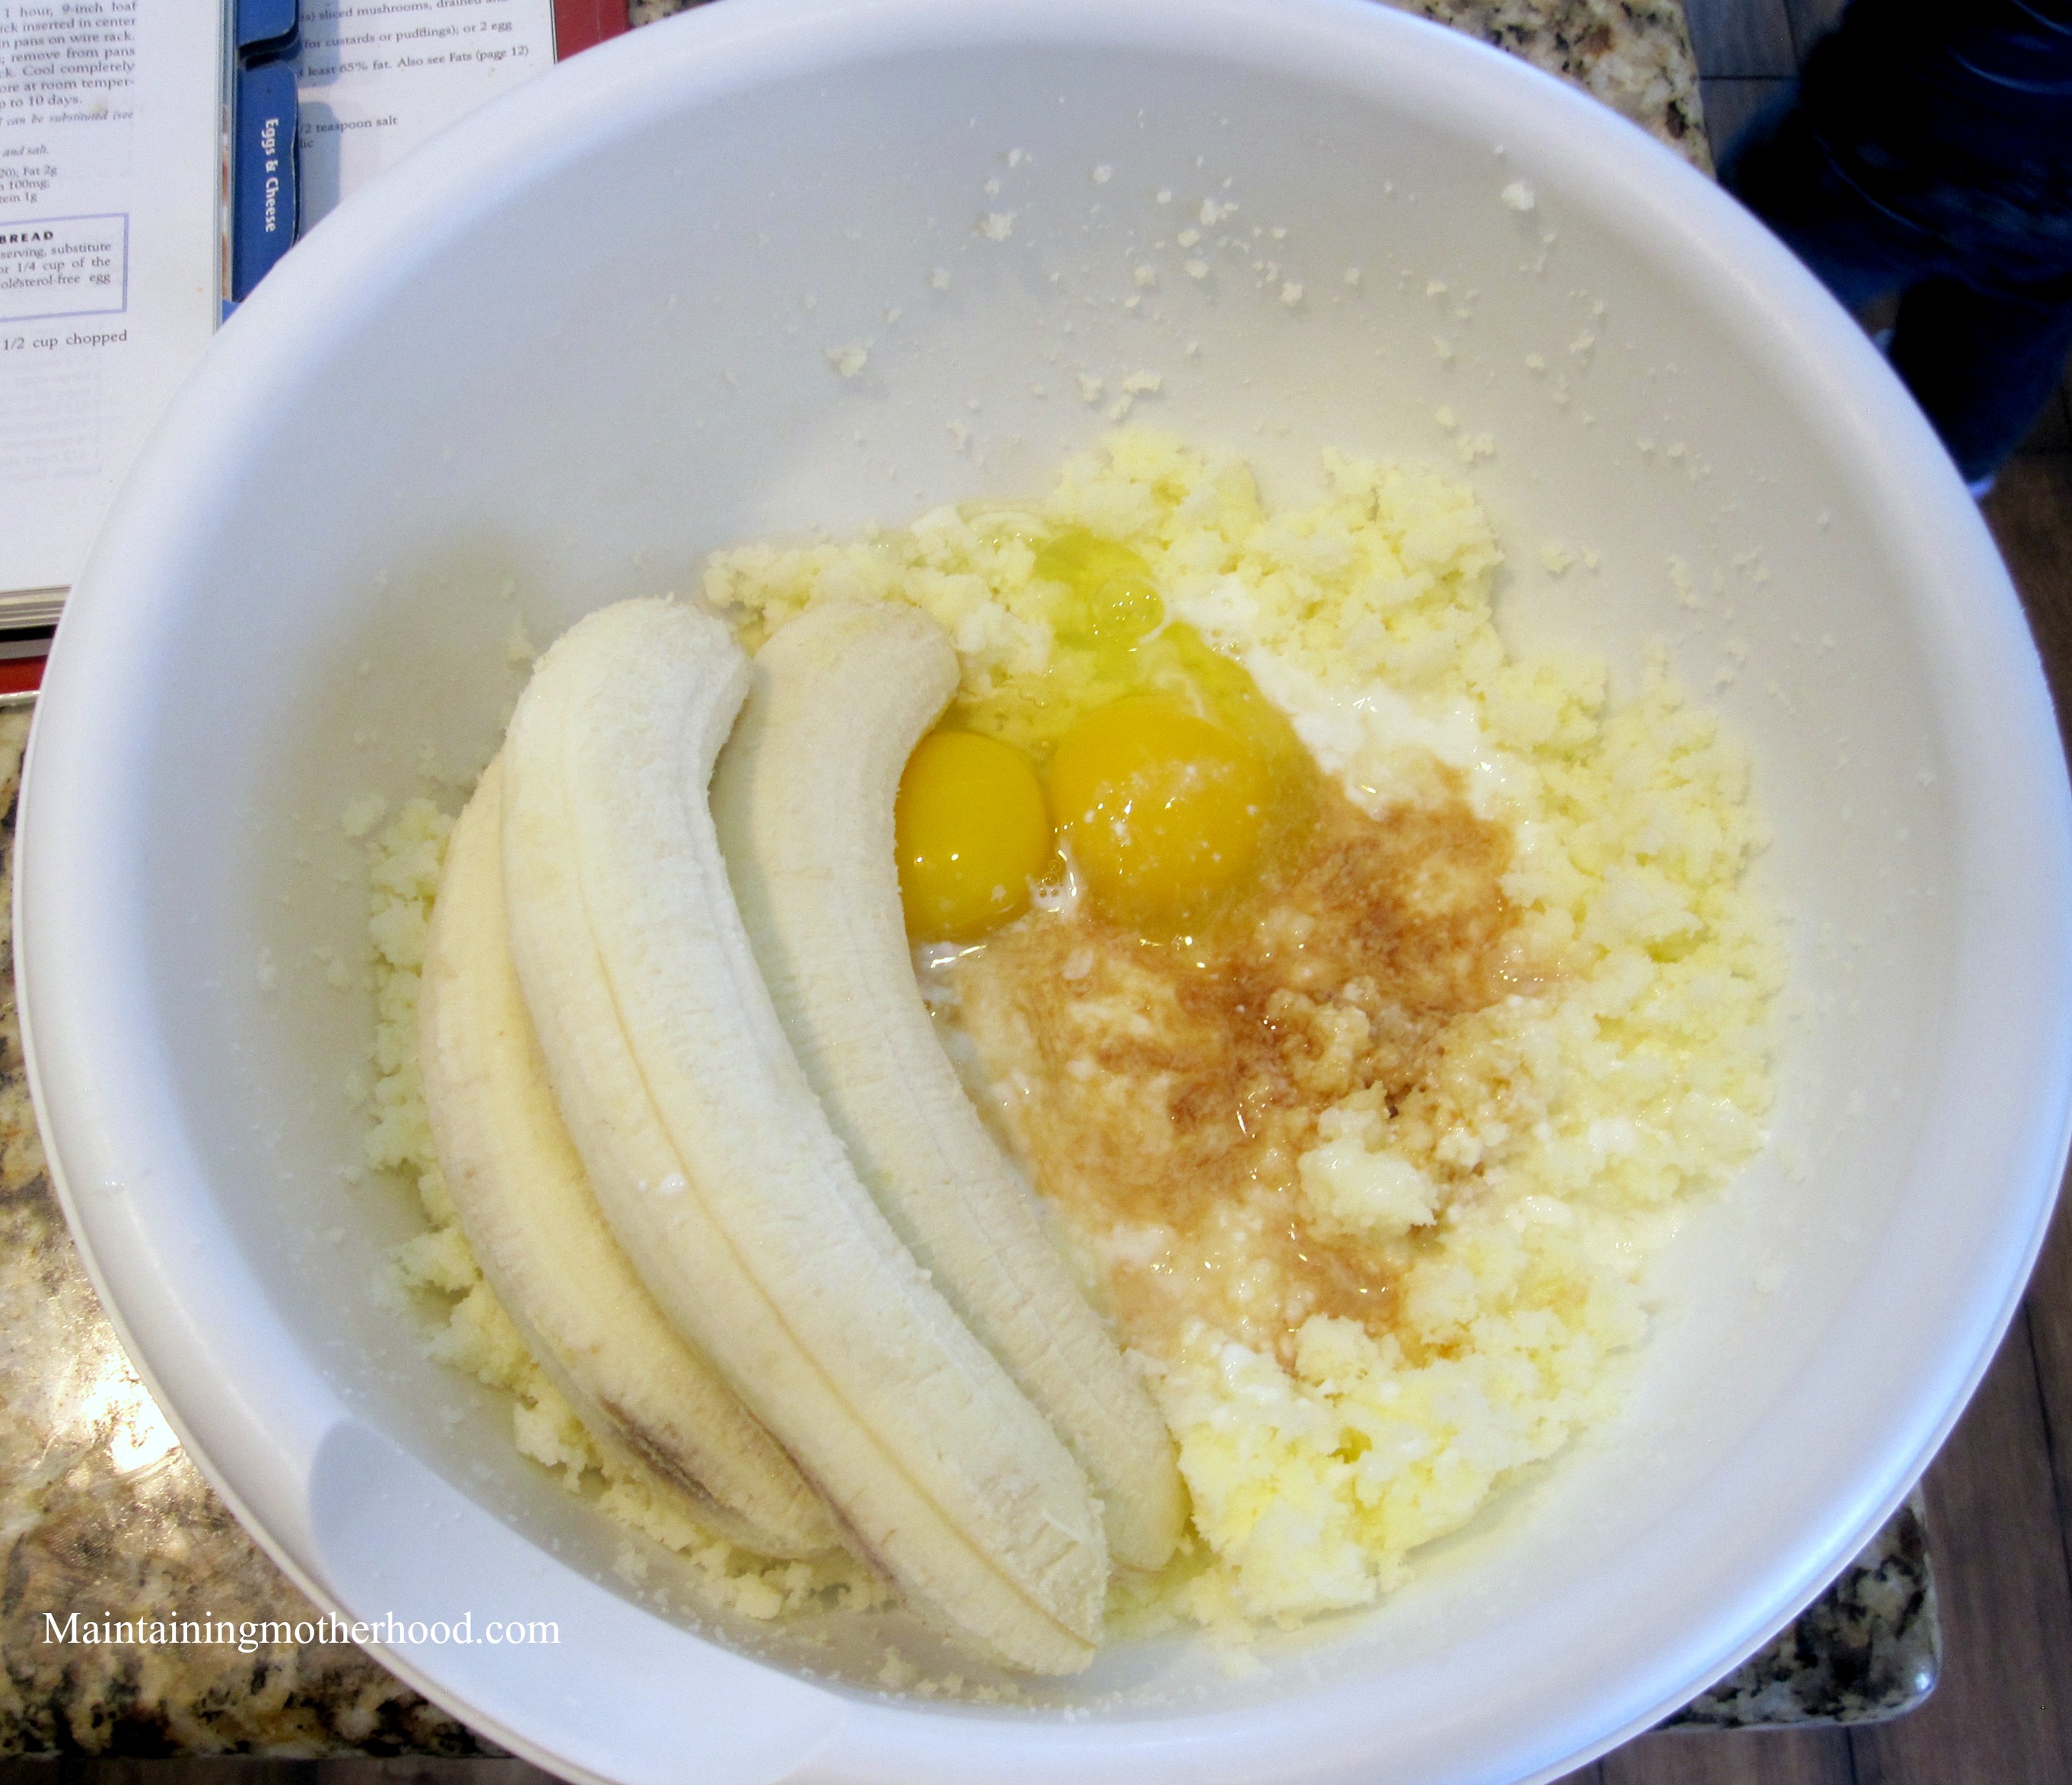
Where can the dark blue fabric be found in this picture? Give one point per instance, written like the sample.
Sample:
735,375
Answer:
1981,77
1927,150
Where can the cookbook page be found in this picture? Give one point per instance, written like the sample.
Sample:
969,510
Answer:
377,77
110,126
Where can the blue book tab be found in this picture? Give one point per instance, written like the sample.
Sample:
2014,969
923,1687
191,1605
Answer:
263,182
268,30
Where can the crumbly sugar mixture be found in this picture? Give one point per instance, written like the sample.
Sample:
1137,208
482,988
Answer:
1365,1177
1367,1185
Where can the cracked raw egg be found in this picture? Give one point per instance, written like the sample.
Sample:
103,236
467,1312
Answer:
1164,812
972,834
1174,784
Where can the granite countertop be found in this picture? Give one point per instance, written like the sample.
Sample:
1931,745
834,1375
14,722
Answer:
104,1519
1633,54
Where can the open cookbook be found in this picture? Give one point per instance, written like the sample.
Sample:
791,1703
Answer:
155,157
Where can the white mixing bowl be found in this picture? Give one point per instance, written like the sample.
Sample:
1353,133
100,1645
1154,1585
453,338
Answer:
585,338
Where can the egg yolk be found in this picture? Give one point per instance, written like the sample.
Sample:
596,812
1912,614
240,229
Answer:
1164,811
971,831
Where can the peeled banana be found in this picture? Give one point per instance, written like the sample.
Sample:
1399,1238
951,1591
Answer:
803,799
542,1243
716,1165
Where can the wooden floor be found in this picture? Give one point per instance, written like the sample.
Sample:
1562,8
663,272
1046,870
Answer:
2000,1497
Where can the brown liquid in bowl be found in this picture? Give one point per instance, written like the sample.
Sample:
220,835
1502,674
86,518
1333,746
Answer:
1160,1093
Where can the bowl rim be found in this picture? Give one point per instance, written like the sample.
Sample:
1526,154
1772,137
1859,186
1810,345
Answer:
111,1124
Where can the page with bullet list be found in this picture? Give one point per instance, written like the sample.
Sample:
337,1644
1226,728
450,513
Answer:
113,122
110,257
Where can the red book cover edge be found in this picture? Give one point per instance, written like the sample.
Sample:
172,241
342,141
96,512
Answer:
580,23
21,675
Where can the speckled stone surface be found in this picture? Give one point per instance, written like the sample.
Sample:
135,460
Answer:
104,1519
1868,1648
1633,54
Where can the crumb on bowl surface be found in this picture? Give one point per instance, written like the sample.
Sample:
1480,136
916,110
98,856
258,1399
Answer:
1365,1178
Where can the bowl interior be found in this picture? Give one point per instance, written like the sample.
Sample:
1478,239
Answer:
592,335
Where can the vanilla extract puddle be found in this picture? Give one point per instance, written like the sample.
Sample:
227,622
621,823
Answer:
1160,1094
